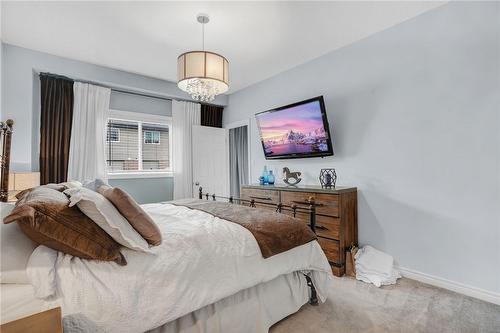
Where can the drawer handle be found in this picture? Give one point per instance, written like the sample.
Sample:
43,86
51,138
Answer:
260,198
321,227
307,203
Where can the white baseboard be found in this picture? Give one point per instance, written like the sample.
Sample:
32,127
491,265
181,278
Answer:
460,288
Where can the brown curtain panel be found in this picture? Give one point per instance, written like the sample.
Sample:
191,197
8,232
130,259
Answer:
55,128
211,115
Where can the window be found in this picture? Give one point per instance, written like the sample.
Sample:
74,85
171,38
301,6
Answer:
138,144
151,137
113,134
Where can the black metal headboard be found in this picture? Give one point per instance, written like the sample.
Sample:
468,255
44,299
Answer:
5,141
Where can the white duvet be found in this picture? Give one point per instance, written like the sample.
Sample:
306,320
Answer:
201,260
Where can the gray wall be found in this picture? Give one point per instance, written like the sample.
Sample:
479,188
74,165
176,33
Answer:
21,101
414,112
147,190
141,104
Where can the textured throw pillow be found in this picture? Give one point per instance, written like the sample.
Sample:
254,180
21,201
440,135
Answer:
44,216
104,214
57,187
134,214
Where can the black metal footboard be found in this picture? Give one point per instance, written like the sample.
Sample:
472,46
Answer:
280,207
311,210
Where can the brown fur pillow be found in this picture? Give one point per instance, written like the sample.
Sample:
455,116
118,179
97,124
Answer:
44,216
135,215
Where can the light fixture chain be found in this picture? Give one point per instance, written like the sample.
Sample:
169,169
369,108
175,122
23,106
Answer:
203,36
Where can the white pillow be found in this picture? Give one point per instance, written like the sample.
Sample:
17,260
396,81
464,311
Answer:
71,184
41,271
94,184
105,215
15,249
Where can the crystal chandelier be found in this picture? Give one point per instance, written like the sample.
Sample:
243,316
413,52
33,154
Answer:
202,74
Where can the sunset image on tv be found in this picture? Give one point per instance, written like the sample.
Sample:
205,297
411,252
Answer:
296,130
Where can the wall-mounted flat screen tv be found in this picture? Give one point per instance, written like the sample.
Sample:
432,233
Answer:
295,131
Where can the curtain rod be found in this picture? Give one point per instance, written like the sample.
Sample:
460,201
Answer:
123,91
140,94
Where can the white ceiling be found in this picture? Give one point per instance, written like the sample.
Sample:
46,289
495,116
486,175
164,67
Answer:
260,39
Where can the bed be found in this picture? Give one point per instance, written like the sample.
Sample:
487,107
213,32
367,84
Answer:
265,304
208,275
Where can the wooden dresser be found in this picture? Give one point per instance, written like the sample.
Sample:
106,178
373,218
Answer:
336,217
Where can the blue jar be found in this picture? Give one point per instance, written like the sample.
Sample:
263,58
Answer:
270,178
265,175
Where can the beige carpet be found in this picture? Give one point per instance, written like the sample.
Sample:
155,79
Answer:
409,306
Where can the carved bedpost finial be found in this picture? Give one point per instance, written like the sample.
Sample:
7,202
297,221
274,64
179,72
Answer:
200,193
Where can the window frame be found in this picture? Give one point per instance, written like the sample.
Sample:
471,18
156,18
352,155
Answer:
141,118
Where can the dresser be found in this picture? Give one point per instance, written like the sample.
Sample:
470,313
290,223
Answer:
336,214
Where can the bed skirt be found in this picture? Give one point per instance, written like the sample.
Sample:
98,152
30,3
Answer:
253,310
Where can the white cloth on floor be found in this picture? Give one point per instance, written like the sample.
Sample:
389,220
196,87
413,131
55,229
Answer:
374,266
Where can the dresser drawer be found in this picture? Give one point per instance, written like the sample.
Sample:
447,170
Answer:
331,249
328,227
329,202
271,196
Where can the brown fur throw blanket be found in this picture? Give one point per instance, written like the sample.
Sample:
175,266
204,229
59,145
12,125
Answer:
274,232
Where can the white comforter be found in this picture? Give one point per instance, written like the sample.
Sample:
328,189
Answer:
202,259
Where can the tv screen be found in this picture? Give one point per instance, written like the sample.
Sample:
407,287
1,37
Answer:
296,130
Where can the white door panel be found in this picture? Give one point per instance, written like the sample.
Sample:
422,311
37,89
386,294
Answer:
210,160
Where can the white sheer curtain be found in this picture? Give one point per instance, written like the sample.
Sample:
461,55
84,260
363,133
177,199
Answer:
87,155
184,116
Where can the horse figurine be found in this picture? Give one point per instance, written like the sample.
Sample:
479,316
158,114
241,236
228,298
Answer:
287,175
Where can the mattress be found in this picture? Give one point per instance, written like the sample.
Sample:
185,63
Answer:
18,301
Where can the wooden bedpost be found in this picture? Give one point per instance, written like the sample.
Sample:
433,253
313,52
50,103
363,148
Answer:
200,193
6,139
